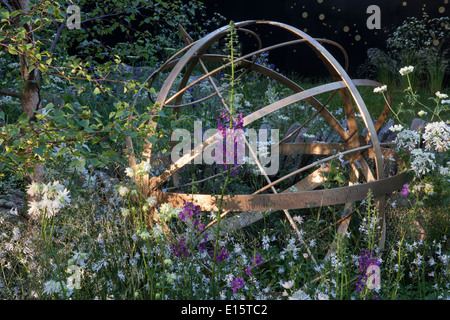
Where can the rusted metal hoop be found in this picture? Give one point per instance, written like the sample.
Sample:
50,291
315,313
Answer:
246,64
281,201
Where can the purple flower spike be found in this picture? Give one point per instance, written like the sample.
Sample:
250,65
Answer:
228,128
221,254
248,270
257,259
180,249
193,212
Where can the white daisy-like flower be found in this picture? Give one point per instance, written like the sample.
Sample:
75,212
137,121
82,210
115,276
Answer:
299,219
64,196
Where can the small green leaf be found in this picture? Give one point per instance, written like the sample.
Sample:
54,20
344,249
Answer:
119,113
4,14
12,50
62,152
23,117
38,151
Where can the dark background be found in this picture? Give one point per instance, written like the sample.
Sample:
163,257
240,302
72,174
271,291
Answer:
336,15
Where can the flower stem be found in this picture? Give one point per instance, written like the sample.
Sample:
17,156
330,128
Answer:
213,275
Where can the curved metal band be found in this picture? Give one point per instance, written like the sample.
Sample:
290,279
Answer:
241,60
283,201
340,72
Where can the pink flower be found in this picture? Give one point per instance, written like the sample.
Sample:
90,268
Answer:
405,190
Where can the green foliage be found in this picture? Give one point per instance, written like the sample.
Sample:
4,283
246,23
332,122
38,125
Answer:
420,42
84,92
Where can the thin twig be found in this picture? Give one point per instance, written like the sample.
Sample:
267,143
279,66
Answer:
10,93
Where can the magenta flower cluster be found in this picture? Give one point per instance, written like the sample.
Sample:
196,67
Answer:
238,282
221,255
180,249
228,128
257,259
191,211
405,190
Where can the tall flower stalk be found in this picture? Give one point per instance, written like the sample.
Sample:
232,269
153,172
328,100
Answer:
231,124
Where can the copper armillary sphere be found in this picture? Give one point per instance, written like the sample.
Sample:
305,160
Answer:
365,153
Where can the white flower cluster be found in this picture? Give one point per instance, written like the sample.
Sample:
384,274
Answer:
406,70
437,136
422,113
380,89
300,295
123,191
141,169
53,198
441,95
51,287
408,139
396,128
422,161
166,212
445,171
